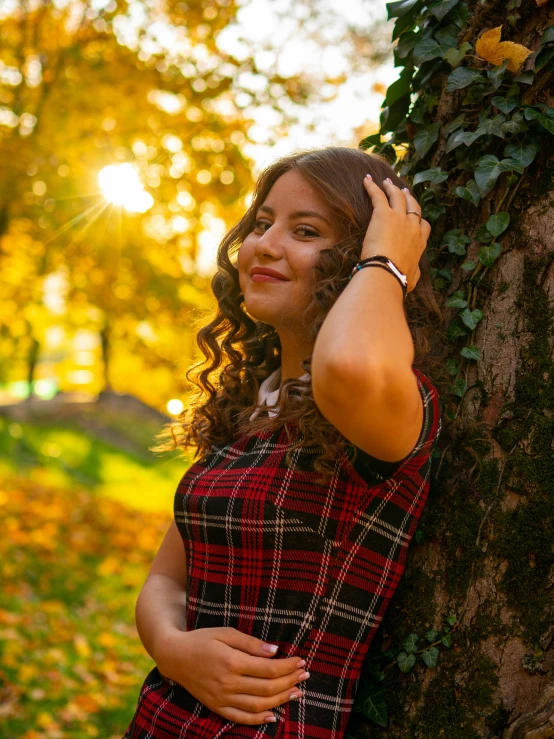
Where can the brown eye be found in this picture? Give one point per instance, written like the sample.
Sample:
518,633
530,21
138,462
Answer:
307,232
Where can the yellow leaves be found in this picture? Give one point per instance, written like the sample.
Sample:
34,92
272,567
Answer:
82,646
490,48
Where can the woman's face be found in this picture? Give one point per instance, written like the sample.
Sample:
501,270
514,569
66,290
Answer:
292,226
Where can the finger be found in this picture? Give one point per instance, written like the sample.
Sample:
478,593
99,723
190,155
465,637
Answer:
259,667
410,199
397,199
257,704
378,197
266,687
242,717
246,643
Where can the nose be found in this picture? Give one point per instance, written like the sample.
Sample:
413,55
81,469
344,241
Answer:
268,243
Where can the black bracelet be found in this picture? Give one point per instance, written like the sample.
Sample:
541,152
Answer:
384,263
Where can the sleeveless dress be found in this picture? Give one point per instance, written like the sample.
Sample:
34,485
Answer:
308,567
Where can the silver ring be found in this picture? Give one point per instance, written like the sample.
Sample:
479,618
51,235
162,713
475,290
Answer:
417,212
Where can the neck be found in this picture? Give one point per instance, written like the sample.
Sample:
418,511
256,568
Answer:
293,350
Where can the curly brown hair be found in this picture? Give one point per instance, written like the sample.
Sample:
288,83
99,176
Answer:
241,352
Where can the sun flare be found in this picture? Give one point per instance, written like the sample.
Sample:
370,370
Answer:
121,185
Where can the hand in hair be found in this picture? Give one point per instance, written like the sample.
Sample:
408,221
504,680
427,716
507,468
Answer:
229,672
393,232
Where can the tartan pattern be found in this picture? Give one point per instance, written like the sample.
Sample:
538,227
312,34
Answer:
307,567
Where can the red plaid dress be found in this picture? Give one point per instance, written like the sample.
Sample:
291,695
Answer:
310,568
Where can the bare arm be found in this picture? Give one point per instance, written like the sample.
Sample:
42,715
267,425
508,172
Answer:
161,605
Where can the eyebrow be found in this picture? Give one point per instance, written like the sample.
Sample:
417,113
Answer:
297,214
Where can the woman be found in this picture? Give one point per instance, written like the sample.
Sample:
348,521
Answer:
296,521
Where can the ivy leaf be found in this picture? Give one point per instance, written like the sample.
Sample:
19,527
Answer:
499,223
374,706
470,352
547,123
456,300
455,124
419,536
447,35
496,74
469,191
468,265
451,620
405,44
522,151
406,661
492,126
447,640
547,36
456,241
452,367
489,168
398,9
474,95
455,55
531,113
515,124
373,140
430,656
441,7
428,49
461,137
506,105
543,58
425,138
462,77
458,388
432,212
472,317
483,235
431,175
409,644
487,254
526,78
432,634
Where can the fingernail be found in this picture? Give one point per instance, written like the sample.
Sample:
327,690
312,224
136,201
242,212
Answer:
270,719
369,177
301,663
272,648
294,697
405,189
304,676
388,179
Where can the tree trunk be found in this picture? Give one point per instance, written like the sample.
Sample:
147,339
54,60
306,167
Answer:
487,554
106,355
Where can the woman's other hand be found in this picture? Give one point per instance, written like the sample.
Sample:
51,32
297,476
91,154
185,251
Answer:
393,232
229,672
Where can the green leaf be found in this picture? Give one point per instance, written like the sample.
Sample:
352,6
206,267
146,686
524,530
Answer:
459,15
456,300
451,620
399,88
489,168
406,661
441,7
430,656
455,124
470,352
468,265
547,123
447,35
447,640
432,634
458,388
419,536
526,78
400,8
492,126
432,212
499,223
462,77
469,191
506,105
522,151
461,137
374,706
474,95
472,317
531,113
496,74
428,49
405,44
547,36
425,138
483,235
514,125
409,644
455,55
431,175
543,58
487,255
456,241
373,140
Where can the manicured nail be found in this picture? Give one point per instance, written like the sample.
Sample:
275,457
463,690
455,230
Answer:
270,719
406,189
369,177
388,179
301,663
271,648
294,697
304,676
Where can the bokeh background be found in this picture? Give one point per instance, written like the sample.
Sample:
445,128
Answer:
130,137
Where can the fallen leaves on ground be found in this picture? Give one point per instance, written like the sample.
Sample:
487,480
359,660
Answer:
72,566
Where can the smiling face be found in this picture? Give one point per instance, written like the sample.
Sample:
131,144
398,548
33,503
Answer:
292,225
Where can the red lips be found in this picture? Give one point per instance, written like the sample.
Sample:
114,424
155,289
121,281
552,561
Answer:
267,271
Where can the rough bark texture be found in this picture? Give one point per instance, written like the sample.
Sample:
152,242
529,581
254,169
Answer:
488,555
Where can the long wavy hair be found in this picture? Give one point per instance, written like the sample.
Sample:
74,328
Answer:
241,352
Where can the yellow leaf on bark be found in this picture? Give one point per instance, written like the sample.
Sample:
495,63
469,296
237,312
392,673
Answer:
490,48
